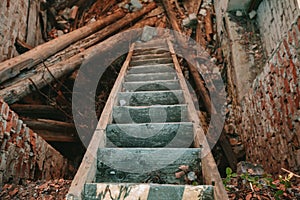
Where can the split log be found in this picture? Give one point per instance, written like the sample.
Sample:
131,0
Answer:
12,67
17,91
202,91
38,111
52,130
208,26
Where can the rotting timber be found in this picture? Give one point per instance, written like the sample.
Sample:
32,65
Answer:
150,79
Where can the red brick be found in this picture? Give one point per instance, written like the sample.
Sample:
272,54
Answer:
298,23
296,34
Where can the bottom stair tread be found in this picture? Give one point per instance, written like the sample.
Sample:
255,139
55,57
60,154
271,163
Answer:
133,191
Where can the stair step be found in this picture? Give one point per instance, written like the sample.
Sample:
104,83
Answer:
147,98
150,114
151,77
151,61
134,191
146,165
150,51
151,135
151,86
151,56
151,69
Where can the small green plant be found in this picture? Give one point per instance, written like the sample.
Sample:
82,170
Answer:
229,176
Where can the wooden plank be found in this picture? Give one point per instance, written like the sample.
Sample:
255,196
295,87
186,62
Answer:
87,170
108,191
140,165
150,98
141,114
150,86
152,135
210,170
151,77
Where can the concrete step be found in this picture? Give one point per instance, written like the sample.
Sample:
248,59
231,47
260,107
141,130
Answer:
146,165
148,98
151,69
150,114
151,61
151,56
151,77
152,135
135,191
151,86
151,44
150,51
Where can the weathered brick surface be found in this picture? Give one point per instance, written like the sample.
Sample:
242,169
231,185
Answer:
274,18
24,154
14,23
270,111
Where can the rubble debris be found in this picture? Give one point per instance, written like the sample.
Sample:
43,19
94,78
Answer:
202,12
148,33
252,14
52,190
239,13
252,169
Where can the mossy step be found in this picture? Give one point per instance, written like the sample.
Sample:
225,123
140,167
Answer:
140,165
151,61
161,85
151,69
151,56
150,114
147,98
150,135
151,77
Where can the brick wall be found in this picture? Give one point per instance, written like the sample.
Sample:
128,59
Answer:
271,112
18,18
25,155
274,18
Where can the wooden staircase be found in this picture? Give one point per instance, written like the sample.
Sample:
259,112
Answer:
148,141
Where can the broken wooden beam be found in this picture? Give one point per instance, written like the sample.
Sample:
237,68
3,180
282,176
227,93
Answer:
17,91
12,67
38,111
54,131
